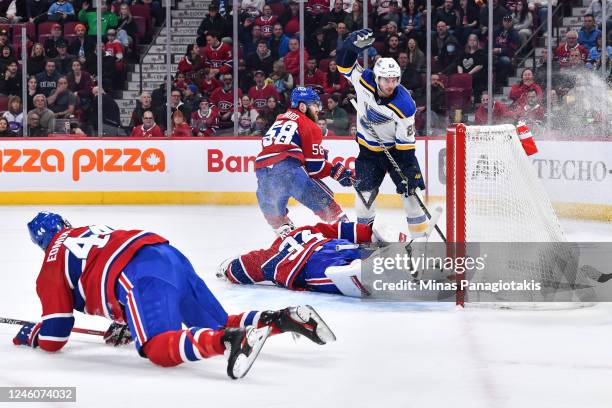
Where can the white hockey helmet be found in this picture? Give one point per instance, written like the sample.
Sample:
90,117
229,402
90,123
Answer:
387,68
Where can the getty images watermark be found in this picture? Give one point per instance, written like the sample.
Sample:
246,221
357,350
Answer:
489,272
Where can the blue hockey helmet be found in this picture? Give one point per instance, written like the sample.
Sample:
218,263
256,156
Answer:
304,94
44,227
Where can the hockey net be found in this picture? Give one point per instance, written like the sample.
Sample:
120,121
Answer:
494,196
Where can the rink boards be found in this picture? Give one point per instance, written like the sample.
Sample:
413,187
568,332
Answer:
576,174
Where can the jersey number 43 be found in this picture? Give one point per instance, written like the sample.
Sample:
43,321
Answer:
281,132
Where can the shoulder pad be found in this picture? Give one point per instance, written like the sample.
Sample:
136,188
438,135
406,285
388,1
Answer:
403,104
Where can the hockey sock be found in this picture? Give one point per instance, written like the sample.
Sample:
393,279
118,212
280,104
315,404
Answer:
251,318
175,347
417,220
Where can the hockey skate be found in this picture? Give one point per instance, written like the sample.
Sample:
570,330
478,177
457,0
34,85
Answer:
301,320
242,346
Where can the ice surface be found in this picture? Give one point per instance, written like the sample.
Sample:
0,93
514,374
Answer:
387,354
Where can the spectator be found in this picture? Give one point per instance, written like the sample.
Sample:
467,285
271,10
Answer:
262,89
530,110
205,120
84,48
594,59
271,110
159,95
261,127
113,50
261,60
191,97
246,116
292,59
353,131
449,15
595,9
81,84
387,11
192,64
251,40
127,30
180,82
217,55
354,20
335,40
34,127
416,58
588,34
45,116
148,128
111,119
36,10
290,19
330,20
51,42
4,37
143,104
412,22
450,58
6,57
5,129
213,22
279,42
392,48
501,112
336,117
322,124
223,99
61,101
335,83
14,115
32,91
63,60
541,71
505,43
209,83
562,53
180,128
47,80
88,16
12,11
253,7
314,77
518,92
11,80
37,60
468,21
392,30
282,80
499,12
266,21
157,12
176,101
410,79
317,46
439,42
61,11
474,62
522,21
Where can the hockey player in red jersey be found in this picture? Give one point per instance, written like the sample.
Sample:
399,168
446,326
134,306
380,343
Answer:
307,259
292,163
123,275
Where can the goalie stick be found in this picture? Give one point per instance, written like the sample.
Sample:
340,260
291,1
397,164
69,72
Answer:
396,167
7,320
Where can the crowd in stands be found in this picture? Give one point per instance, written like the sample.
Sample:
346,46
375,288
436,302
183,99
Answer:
62,77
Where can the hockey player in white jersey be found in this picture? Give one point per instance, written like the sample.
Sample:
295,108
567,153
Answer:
389,111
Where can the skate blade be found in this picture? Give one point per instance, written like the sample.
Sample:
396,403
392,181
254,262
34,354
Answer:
256,339
323,331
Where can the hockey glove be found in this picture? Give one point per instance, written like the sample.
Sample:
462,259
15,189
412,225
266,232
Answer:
343,175
28,335
118,335
359,40
408,163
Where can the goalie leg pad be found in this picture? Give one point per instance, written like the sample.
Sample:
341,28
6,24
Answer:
417,220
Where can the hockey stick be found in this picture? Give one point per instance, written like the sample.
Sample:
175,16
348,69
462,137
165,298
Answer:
396,167
367,203
7,320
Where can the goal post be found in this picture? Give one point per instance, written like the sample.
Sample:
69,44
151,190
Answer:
494,199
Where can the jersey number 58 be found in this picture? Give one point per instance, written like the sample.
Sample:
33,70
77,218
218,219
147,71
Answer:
281,132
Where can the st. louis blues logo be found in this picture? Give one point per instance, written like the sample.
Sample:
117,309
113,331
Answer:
375,117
